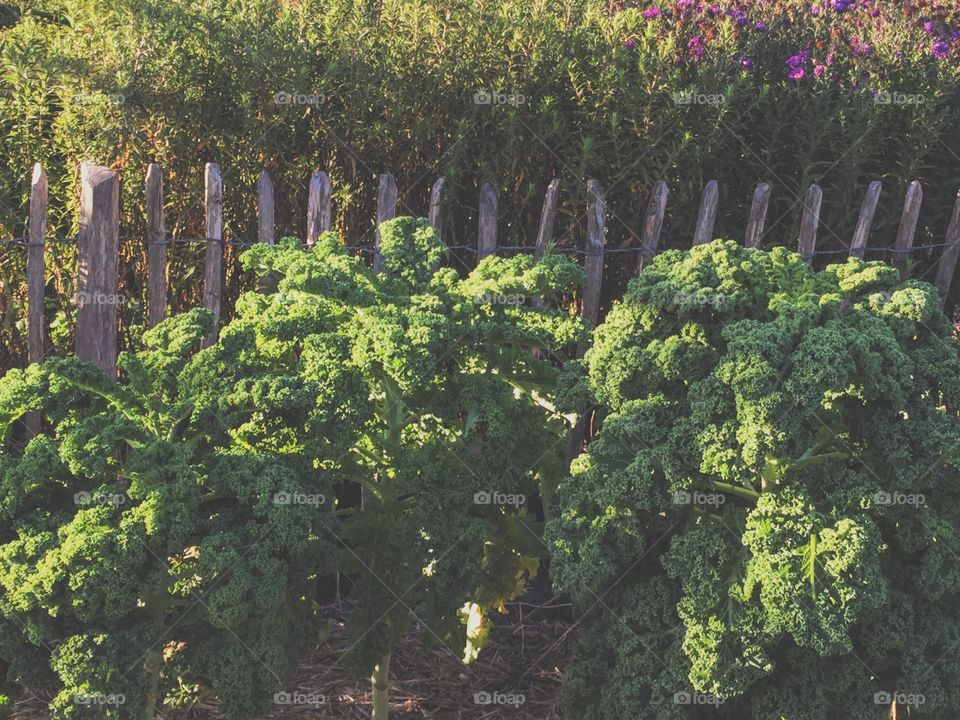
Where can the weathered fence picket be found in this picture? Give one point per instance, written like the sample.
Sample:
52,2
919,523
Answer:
652,224
707,215
951,253
908,227
809,222
156,247
758,216
862,233
548,217
433,214
386,210
487,221
98,246
318,206
265,209
213,262
36,235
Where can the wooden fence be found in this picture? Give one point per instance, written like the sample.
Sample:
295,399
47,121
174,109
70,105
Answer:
98,241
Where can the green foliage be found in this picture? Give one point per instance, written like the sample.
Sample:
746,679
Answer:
462,427
141,537
175,529
389,86
768,518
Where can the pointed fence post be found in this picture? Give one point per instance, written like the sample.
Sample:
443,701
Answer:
758,216
36,236
652,224
97,258
548,217
869,208
951,253
908,227
213,262
590,307
156,247
436,195
807,243
386,210
487,223
265,209
318,207
707,215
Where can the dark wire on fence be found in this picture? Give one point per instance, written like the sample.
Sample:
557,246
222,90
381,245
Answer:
473,249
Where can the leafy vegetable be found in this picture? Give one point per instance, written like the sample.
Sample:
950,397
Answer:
767,522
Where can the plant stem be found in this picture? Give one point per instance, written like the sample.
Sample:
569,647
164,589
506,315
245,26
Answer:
380,680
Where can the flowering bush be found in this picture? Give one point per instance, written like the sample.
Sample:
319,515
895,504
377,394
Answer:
780,91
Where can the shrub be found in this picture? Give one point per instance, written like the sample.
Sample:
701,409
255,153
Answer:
768,518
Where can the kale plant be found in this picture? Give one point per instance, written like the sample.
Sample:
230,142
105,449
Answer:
145,548
767,524
463,430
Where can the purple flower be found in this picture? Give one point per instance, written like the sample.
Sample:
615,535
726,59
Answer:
795,61
630,44
651,12
815,11
742,20
796,74
940,50
713,10
761,26
928,28
746,64
818,70
696,47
